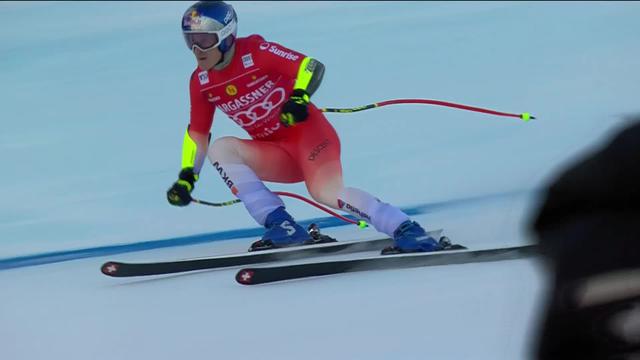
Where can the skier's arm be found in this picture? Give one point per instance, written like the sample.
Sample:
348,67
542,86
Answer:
306,71
309,75
194,147
194,150
196,139
308,79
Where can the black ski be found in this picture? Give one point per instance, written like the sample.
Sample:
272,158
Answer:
252,276
121,269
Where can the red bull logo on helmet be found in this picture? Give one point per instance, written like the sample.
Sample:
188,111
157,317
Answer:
197,22
192,19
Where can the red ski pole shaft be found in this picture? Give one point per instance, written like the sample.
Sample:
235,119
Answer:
523,116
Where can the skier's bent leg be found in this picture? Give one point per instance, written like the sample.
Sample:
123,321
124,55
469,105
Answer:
267,160
383,216
325,184
258,200
408,235
240,164
225,156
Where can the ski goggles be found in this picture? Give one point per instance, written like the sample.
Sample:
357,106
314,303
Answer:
207,40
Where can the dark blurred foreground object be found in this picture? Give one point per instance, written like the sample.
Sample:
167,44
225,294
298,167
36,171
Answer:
589,232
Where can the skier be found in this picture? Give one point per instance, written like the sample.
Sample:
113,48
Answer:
266,88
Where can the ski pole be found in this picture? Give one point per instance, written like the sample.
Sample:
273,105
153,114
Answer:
226,203
524,116
361,223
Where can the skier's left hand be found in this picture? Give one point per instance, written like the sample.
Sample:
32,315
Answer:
295,109
179,194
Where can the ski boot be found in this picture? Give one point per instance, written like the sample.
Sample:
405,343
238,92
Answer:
282,231
446,244
317,237
410,237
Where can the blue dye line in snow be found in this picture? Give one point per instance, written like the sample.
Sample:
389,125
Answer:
324,222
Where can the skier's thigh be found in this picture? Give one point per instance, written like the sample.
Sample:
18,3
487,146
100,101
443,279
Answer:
268,160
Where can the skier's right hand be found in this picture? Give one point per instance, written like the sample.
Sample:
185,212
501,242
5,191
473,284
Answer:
296,109
180,192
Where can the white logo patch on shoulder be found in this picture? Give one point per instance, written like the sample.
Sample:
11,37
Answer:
247,61
203,76
264,45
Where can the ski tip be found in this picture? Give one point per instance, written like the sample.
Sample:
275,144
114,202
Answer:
245,276
110,268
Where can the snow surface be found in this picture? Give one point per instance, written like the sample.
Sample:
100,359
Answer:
94,106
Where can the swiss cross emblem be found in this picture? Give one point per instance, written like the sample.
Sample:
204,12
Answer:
245,276
110,268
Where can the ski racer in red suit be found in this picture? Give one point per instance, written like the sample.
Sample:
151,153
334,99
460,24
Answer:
265,88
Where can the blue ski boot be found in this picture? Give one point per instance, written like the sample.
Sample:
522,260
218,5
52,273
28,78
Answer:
411,237
282,231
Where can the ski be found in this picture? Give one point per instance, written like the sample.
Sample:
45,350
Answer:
122,269
253,276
